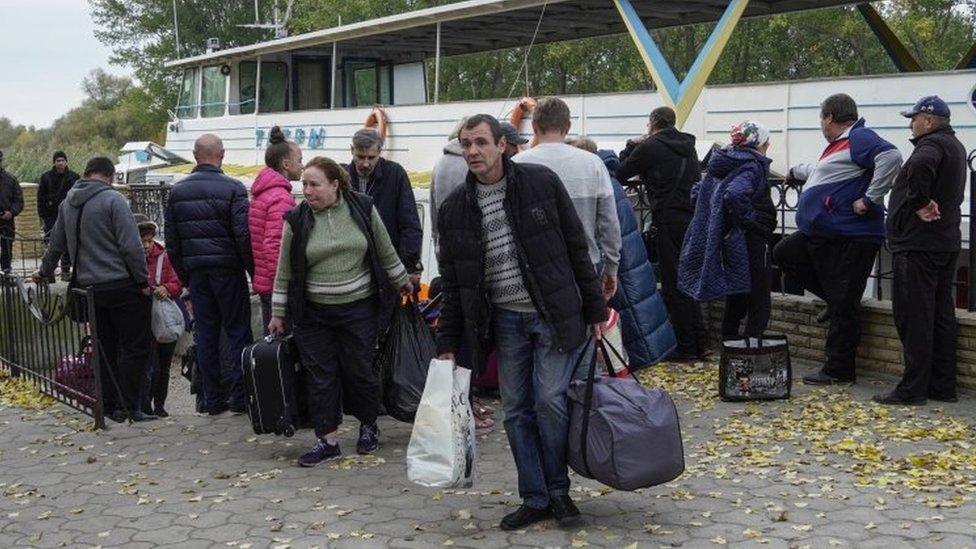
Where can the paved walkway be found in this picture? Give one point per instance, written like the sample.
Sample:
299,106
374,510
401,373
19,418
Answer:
824,469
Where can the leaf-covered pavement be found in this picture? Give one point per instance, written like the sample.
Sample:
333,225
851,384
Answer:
827,468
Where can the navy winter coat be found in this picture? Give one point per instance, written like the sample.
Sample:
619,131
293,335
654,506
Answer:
732,198
647,334
206,224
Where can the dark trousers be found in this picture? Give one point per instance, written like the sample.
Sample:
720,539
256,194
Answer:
48,225
122,318
836,270
336,344
155,384
925,316
6,245
221,301
684,312
755,305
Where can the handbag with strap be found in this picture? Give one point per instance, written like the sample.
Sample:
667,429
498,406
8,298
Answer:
167,318
755,369
621,433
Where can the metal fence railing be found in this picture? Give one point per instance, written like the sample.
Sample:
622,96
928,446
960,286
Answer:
786,195
40,343
151,201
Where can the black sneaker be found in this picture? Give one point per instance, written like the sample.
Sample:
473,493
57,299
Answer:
319,454
565,511
895,399
524,516
161,412
218,409
238,408
139,415
369,439
118,416
821,378
944,398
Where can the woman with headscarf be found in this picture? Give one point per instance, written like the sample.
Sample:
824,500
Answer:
726,249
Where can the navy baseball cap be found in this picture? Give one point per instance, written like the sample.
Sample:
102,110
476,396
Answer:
511,134
930,104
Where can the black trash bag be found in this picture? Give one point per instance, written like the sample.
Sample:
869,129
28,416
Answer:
403,360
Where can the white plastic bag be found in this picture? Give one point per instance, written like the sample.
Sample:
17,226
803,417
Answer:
441,452
167,320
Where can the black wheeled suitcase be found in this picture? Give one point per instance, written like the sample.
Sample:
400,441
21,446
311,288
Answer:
271,374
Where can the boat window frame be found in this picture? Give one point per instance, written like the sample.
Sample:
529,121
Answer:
190,110
250,101
295,59
349,84
223,91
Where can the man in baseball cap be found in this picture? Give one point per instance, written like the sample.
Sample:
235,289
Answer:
512,139
924,235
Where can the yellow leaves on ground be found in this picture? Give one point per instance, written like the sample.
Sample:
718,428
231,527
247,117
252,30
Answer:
20,392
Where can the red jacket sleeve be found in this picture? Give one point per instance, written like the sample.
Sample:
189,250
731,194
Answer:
170,279
274,223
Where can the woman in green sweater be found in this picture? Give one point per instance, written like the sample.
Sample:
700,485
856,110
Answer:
336,260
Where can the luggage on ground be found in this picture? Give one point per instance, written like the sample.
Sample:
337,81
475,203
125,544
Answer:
441,452
488,380
271,370
621,433
755,369
403,359
75,373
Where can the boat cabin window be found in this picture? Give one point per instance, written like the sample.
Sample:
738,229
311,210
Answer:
367,83
213,99
311,83
274,86
186,107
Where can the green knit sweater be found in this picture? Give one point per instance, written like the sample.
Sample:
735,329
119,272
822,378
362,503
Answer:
338,261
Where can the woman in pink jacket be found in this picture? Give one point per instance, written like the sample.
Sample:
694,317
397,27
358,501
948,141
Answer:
271,198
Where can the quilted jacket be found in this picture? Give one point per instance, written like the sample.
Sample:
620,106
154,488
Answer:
553,256
647,333
271,199
206,224
714,260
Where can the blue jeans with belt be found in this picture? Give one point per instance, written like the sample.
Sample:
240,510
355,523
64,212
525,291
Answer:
534,376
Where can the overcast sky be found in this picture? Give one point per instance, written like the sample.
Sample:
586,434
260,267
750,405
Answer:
46,49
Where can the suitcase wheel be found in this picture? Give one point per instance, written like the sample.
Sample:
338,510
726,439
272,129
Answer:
289,431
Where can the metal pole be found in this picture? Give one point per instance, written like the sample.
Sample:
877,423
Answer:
257,89
335,54
437,65
176,26
971,290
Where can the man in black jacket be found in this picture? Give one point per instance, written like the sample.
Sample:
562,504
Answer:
209,245
11,204
52,189
925,238
388,184
516,271
668,166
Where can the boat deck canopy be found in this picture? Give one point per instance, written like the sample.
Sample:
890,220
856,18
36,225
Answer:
484,25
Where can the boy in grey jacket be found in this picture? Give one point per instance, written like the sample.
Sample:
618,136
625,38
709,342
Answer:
109,261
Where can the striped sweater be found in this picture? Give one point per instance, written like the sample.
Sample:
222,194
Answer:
503,275
338,264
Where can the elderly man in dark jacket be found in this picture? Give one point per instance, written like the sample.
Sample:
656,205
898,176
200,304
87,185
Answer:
667,164
52,189
210,247
11,204
925,238
517,272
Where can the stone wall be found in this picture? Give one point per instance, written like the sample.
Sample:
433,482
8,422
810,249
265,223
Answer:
880,348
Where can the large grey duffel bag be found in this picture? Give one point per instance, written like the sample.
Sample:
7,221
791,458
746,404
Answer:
621,433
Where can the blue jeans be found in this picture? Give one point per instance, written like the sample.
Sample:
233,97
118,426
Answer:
533,376
221,302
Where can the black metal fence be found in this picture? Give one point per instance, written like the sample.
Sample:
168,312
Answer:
151,201
40,343
786,196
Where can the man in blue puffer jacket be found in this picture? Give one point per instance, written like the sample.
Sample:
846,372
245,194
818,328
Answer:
840,221
209,245
647,333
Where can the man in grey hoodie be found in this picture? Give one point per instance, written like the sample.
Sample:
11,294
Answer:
109,261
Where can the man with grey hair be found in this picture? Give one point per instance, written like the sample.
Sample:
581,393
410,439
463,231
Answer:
387,183
924,236
209,245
